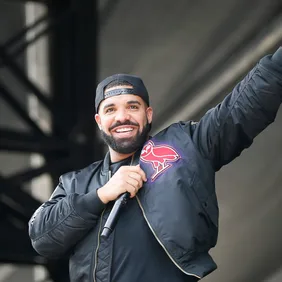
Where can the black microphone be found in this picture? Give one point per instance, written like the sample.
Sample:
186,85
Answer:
114,214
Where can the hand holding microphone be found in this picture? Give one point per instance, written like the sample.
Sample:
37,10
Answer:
126,179
123,185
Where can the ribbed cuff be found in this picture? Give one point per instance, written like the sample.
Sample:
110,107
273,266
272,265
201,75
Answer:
88,206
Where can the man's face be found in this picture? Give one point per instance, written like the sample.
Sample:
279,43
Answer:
124,121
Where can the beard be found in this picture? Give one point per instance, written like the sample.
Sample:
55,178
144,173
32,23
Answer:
127,145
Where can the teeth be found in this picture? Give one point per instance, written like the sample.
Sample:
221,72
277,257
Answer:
124,129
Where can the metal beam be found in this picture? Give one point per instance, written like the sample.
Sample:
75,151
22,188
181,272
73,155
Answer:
44,147
28,174
30,143
8,97
26,43
74,48
21,76
13,196
13,213
20,36
10,134
35,1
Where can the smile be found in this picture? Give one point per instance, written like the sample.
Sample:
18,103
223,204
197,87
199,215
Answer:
124,129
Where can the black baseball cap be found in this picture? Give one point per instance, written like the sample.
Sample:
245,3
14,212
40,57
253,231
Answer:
138,89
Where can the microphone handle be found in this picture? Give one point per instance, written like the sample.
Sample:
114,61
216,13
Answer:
114,214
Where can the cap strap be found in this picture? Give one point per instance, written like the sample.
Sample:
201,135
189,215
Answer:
119,91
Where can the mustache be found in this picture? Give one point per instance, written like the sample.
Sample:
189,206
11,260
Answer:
123,123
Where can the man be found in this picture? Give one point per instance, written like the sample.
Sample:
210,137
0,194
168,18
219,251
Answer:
170,223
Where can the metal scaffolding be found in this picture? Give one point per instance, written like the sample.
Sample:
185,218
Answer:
72,141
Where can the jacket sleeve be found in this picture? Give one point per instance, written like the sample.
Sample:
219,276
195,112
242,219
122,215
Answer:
224,131
58,224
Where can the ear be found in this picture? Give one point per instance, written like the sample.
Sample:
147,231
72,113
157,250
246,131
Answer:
149,112
98,120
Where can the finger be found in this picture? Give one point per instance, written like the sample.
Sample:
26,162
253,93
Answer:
143,174
137,177
131,189
132,182
140,171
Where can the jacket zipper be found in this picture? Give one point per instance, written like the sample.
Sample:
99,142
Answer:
187,273
98,240
100,227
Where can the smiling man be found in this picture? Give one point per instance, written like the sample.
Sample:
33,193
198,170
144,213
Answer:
170,223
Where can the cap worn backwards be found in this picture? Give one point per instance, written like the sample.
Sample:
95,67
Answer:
138,88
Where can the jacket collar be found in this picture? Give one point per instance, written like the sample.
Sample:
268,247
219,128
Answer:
106,162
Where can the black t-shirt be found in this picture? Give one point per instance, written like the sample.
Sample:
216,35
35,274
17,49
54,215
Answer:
136,254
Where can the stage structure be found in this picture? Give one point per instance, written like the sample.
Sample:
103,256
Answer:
70,140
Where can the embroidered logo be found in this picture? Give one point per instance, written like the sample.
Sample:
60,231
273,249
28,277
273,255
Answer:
159,156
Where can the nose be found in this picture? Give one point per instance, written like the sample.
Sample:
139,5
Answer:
122,115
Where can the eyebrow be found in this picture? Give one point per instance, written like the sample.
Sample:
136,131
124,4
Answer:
131,102
108,105
134,102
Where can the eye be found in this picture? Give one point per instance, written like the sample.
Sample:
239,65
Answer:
133,107
109,110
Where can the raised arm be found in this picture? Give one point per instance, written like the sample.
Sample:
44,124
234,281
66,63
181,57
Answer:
58,224
231,126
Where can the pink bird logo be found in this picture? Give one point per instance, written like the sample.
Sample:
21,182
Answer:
159,156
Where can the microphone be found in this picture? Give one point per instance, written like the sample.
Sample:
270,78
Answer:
114,214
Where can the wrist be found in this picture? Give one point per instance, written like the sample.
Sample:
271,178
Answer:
102,195
87,206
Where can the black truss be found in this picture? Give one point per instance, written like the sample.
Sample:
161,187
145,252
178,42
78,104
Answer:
18,43
32,143
38,1
22,77
22,33
72,142
19,109
29,174
13,196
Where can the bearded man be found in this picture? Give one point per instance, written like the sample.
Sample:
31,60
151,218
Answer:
169,224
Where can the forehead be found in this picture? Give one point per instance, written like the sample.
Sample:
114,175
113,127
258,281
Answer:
120,100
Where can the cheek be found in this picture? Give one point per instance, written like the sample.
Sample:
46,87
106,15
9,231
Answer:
145,121
141,120
106,124
142,124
